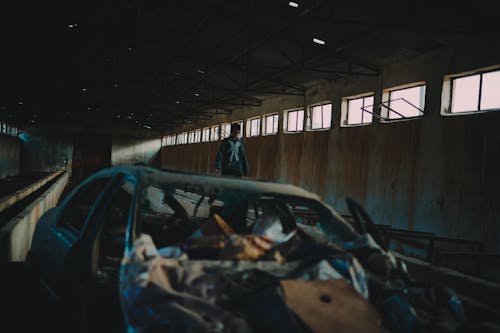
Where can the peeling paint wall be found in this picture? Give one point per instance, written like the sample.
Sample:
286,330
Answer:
435,173
9,156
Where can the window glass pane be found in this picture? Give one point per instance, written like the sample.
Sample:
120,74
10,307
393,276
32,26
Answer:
255,127
269,124
300,120
465,94
275,124
354,111
317,117
226,129
401,102
206,134
490,93
215,133
368,106
292,121
327,115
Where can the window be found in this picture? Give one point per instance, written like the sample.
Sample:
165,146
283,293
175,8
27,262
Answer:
170,140
8,129
163,141
215,133
253,127
320,116
225,130
190,137
206,134
407,102
270,124
241,126
197,135
294,120
471,92
357,110
182,138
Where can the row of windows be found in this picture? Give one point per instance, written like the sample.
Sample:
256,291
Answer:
465,93
8,130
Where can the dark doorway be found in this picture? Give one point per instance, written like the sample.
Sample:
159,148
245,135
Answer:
91,153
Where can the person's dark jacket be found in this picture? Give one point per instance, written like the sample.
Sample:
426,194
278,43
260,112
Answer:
229,163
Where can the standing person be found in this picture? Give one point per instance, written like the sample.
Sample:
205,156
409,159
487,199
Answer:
231,159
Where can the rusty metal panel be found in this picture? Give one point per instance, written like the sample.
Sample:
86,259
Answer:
315,157
291,157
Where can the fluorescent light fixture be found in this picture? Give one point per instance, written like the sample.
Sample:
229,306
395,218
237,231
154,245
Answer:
319,41
196,94
148,127
293,4
84,89
200,71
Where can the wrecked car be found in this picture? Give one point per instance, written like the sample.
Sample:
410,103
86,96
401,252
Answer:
140,249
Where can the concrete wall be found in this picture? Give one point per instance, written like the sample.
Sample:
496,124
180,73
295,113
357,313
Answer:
129,150
9,155
435,173
45,149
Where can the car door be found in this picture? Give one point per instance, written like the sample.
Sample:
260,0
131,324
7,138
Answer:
56,244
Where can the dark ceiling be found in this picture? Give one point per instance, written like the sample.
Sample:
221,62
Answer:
159,64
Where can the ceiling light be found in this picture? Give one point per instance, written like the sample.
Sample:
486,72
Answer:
196,94
20,103
116,85
84,89
130,48
200,71
147,126
293,4
177,102
319,41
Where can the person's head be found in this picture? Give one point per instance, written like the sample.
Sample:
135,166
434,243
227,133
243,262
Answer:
235,130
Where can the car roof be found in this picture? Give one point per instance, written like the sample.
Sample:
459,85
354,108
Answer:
151,175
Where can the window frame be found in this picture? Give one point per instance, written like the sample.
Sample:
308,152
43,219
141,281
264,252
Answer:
447,91
386,98
215,128
223,132
204,137
264,127
197,135
344,109
285,120
309,120
248,130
